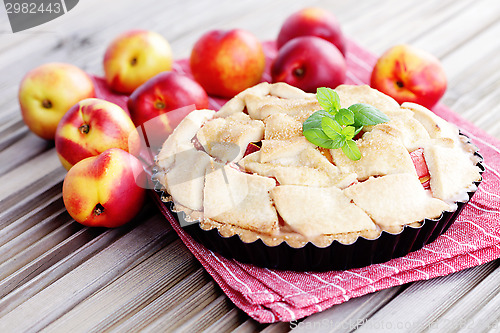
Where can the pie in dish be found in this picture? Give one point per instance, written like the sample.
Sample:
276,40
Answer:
249,170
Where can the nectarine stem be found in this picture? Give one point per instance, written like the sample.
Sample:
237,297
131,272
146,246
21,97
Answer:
133,61
159,105
400,84
98,210
46,104
84,129
298,72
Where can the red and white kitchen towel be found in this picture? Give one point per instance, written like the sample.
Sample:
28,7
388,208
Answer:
271,295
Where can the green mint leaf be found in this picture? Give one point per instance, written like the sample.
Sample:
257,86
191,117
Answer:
351,150
365,114
335,127
348,132
337,143
344,117
334,131
319,138
331,127
314,120
328,99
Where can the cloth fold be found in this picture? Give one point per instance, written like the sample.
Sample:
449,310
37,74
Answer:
272,295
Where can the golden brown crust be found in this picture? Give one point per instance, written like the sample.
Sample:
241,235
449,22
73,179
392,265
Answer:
292,190
350,94
329,211
396,199
280,126
226,139
240,199
451,171
381,154
293,239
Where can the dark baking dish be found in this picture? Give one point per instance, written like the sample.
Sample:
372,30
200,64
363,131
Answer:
336,256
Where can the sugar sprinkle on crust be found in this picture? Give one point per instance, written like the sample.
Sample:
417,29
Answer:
291,190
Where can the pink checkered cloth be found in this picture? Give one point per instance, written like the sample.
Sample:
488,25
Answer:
271,295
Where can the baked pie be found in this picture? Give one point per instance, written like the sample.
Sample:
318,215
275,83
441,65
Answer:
248,170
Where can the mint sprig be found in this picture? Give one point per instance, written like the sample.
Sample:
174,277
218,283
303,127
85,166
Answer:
335,127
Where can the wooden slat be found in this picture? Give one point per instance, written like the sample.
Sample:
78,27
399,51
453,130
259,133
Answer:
33,266
32,260
470,21
402,22
208,316
477,311
277,328
129,293
249,326
39,246
61,296
12,132
15,221
348,316
25,178
165,303
100,239
175,317
229,322
422,303
22,151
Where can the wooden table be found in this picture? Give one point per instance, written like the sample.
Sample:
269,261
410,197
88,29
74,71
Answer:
58,276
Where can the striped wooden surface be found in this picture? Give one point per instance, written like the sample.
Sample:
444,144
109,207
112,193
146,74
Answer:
58,276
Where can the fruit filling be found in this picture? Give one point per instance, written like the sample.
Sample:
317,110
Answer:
418,159
252,148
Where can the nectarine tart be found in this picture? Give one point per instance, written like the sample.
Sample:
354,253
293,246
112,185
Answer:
346,172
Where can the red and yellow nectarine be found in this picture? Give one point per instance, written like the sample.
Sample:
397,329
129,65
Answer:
134,57
47,92
227,62
104,190
409,74
89,128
